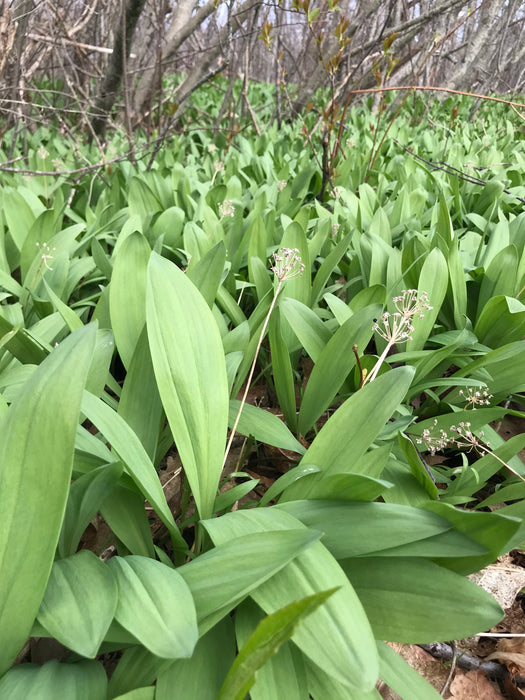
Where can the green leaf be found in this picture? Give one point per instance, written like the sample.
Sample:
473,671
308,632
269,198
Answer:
491,530
409,600
136,667
283,675
327,268
127,293
211,658
79,602
352,529
189,365
500,277
156,606
337,636
85,680
206,274
222,577
286,479
139,694
350,431
140,403
307,326
501,321
86,495
433,279
334,364
265,641
417,467
36,456
282,370
263,426
401,677
123,510
137,463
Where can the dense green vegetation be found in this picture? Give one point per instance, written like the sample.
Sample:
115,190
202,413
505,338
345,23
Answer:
134,302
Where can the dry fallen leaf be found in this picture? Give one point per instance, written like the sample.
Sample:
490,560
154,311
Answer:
473,685
511,652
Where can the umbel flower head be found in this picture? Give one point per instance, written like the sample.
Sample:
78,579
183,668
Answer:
475,397
397,327
287,264
463,438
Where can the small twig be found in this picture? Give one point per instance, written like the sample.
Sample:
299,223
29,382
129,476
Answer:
452,670
451,170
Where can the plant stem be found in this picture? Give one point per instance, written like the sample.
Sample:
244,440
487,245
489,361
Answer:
252,370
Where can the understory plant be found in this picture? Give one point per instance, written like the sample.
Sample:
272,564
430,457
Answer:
138,315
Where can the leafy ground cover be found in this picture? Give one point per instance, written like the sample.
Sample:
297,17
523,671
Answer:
363,345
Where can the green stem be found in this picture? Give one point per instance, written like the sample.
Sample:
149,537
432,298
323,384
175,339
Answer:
252,370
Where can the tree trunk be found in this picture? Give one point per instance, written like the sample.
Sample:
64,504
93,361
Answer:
182,27
121,49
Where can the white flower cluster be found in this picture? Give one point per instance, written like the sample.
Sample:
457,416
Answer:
226,208
397,327
287,264
463,438
46,254
476,397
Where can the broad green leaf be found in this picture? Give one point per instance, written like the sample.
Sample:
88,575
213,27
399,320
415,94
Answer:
501,321
433,280
127,293
263,426
189,365
201,676
270,634
36,457
228,498
323,686
67,313
352,529
349,487
282,675
139,694
494,531
137,463
458,285
79,602
408,600
282,370
307,326
417,467
155,605
123,510
84,680
401,677
286,479
499,278
140,403
350,431
299,287
136,667
337,636
216,590
207,272
18,215
86,495
327,268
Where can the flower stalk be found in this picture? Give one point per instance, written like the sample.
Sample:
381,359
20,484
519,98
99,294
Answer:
287,265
